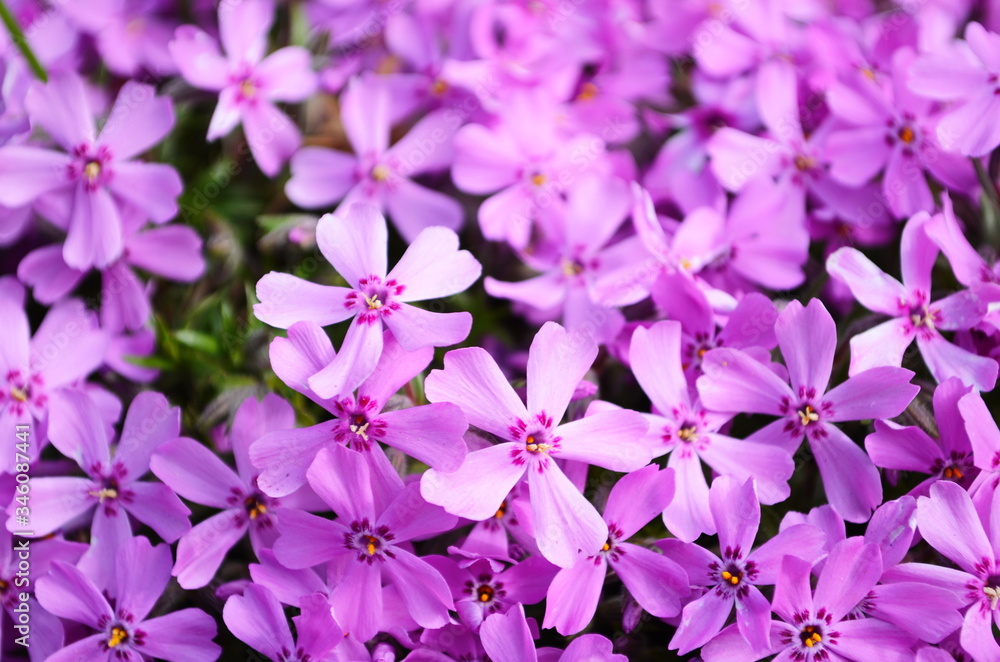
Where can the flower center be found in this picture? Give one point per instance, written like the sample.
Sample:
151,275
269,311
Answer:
359,426
807,415
247,89
534,444
380,173
588,91
485,593
118,637
804,163
255,506
733,575
92,171
538,179
439,87
572,268
688,433
952,472
922,317
906,134
19,394
810,636
371,544
502,510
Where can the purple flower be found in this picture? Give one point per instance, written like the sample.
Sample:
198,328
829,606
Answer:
914,314
66,348
123,632
198,475
816,626
356,244
734,578
377,173
94,177
655,581
564,520
891,128
430,433
257,619
365,543
480,590
248,83
130,36
807,336
949,457
111,489
966,73
681,426
970,268
981,427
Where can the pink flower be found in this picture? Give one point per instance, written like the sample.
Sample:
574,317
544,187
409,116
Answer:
247,82
356,243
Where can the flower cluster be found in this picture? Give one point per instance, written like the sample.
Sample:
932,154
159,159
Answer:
599,346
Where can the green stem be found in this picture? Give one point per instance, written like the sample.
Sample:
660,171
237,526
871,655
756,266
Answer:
991,216
17,35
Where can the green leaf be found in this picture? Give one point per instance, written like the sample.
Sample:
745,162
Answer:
198,340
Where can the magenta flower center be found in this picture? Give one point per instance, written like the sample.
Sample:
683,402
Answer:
991,589
811,636
807,415
91,165
368,542
374,298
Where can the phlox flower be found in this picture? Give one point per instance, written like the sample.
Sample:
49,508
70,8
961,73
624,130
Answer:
377,173
807,336
356,244
365,544
248,83
124,632
914,315
95,173
507,638
655,581
532,440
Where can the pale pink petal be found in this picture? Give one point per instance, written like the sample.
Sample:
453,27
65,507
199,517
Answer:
688,515
428,146
431,434
414,208
243,27
770,465
138,120
464,493
565,521
434,267
285,74
340,477
286,299
283,456
573,595
851,481
201,550
857,155
472,380
543,292
877,393
807,337
610,439
48,276
355,242
28,172
198,57
654,356
196,473
485,160
656,582
172,252
415,327
61,108
557,361
366,115
968,128
151,187
227,116
320,176
94,238
948,509
736,382
424,592
701,621
945,359
272,136
882,345
638,498
871,286
357,359
357,598
738,157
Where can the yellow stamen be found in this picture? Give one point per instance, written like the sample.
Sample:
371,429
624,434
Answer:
105,493
439,87
606,547
92,170
867,71
727,575
808,415
994,593
587,92
360,430
906,134
804,163
370,546
373,302
248,89
686,264
538,179
702,352
18,394
255,508
118,635
689,433
380,173
571,268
